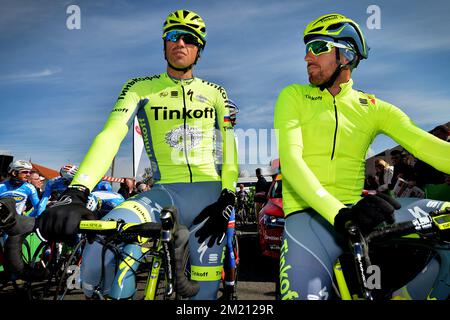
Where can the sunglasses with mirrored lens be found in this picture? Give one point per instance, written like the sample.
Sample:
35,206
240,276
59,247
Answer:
188,38
25,172
318,47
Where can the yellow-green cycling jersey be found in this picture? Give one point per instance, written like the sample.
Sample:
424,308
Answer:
183,124
323,141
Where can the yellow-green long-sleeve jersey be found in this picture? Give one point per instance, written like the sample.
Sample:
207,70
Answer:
181,122
323,141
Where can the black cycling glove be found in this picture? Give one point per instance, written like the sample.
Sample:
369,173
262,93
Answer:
218,215
367,213
7,213
61,221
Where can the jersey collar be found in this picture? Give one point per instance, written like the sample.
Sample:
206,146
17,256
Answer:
179,81
346,87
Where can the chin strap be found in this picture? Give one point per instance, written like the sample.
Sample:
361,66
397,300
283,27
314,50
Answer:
336,73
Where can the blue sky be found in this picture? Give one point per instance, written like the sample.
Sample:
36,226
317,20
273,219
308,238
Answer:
57,85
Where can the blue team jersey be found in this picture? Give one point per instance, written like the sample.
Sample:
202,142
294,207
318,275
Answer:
21,191
58,185
106,201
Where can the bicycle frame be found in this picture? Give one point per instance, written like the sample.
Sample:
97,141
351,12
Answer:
134,235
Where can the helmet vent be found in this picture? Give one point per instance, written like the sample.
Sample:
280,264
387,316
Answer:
185,13
193,25
316,29
335,26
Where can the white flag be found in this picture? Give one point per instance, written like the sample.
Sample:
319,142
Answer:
138,146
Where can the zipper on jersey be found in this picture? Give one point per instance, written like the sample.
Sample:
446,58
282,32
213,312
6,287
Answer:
184,135
335,129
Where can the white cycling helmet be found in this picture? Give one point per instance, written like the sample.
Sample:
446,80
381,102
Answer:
19,165
68,171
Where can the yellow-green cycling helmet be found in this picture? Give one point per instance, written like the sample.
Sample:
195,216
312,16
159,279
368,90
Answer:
338,27
186,20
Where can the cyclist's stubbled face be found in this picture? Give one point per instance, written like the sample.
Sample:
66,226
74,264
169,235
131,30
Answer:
320,68
180,54
23,175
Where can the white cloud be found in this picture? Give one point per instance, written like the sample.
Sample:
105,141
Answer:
30,76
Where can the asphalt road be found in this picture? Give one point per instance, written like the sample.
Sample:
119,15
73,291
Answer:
256,279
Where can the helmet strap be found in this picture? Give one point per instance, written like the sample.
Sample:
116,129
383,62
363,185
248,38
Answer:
336,73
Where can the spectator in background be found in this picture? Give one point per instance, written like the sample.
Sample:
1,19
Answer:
261,184
401,168
426,174
384,173
127,188
241,195
260,191
37,181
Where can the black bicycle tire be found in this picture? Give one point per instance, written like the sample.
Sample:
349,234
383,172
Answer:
161,282
32,287
27,257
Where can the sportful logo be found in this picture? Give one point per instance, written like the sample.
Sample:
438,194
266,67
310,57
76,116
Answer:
213,258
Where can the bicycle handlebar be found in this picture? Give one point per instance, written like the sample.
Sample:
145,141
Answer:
119,229
172,238
437,222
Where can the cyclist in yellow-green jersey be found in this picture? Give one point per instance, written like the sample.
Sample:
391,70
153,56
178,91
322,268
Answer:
324,131
183,120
